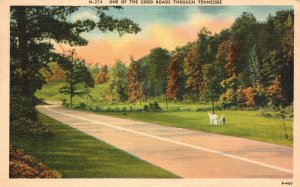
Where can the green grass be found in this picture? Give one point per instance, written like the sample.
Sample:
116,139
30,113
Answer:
77,155
245,124
50,91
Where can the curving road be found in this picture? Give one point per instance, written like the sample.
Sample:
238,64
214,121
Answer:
186,153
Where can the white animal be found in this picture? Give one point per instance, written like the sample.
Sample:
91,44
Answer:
213,119
222,120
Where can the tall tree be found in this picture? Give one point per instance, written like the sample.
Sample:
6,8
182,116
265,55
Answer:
134,85
254,67
78,77
157,69
33,31
193,70
102,75
117,82
211,83
174,78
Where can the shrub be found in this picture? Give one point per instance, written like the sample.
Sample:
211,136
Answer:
22,107
266,114
152,107
97,109
290,111
156,106
28,127
146,108
22,165
64,102
124,109
108,109
82,105
116,109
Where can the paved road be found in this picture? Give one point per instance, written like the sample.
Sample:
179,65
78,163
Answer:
187,153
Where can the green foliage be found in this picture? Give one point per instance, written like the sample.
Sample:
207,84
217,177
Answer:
21,106
78,77
254,67
157,64
34,30
117,82
27,127
192,68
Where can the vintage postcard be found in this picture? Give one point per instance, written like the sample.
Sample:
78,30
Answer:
149,93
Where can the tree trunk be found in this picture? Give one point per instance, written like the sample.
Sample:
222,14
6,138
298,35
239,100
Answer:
213,107
71,94
71,98
167,102
23,49
212,99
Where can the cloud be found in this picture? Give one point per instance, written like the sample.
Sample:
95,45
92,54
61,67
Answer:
84,14
106,48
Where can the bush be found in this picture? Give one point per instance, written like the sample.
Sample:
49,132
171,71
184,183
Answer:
156,106
131,108
116,109
146,108
152,107
64,102
266,114
124,109
22,165
97,109
81,106
28,127
289,111
22,107
108,109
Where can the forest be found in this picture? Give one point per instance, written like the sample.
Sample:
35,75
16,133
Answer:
249,65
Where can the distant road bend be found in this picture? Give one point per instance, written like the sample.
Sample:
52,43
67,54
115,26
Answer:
186,153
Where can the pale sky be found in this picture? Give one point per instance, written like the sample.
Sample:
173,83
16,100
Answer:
166,27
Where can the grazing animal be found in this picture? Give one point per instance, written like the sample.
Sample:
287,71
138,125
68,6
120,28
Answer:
222,120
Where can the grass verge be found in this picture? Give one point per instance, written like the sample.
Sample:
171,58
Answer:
244,124
77,155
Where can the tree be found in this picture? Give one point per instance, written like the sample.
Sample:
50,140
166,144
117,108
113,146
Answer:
244,32
271,66
230,86
102,75
275,92
227,57
94,69
193,70
53,73
78,77
211,83
117,82
33,31
134,85
254,67
158,60
174,78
